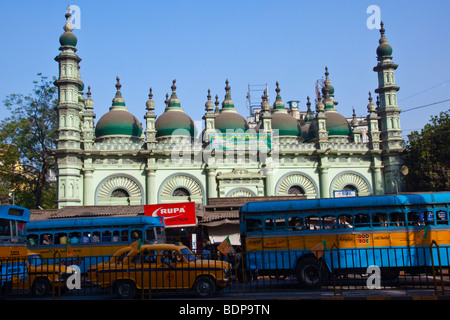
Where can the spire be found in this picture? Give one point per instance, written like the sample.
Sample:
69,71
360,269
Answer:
118,102
89,103
227,103
278,105
265,106
174,102
68,38
150,104
309,113
217,103
371,106
209,105
384,50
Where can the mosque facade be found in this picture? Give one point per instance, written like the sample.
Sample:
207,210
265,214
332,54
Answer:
118,161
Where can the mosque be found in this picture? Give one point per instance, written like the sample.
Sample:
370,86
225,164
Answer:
117,161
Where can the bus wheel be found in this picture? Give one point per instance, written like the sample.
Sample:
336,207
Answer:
41,287
311,273
125,289
205,287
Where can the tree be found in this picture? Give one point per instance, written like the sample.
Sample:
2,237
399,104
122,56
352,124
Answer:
27,138
428,156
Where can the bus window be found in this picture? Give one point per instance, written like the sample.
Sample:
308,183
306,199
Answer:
75,237
150,235
362,221
160,235
295,223
32,239
428,217
116,236
21,231
46,239
329,222
124,235
96,236
86,237
253,225
61,238
312,223
345,221
106,236
280,224
135,235
441,217
269,225
414,219
396,219
5,230
379,220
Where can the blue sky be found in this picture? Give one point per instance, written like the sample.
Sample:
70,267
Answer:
203,43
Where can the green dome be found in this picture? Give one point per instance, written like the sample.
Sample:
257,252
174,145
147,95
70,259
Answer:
118,122
337,125
286,125
230,121
384,50
68,39
175,122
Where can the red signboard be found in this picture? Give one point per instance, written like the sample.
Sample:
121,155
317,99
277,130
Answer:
174,214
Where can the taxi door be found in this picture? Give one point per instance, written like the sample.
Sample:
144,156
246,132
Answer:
173,271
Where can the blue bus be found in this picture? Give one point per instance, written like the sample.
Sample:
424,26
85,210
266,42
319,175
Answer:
87,241
13,246
310,239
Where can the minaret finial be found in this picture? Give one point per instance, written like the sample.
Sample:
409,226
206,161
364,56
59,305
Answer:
118,85
227,87
277,90
174,87
89,92
68,27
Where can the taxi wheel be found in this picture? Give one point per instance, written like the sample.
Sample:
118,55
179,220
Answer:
41,287
205,286
125,289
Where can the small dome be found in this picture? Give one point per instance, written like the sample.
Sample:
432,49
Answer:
230,121
286,125
337,125
118,122
177,122
174,121
384,50
68,39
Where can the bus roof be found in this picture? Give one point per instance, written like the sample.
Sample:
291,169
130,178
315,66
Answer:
14,213
350,202
93,222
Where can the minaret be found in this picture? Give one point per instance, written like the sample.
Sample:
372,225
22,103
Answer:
88,117
209,118
150,117
389,112
68,149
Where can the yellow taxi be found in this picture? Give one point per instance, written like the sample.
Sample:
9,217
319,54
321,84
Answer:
42,276
164,267
116,258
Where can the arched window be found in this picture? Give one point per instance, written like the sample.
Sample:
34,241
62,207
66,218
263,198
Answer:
296,190
181,192
120,193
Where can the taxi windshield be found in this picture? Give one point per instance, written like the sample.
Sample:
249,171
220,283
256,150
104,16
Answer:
188,255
